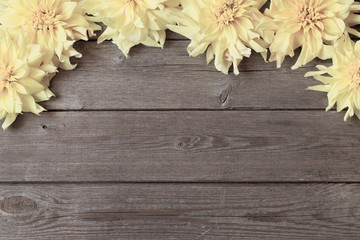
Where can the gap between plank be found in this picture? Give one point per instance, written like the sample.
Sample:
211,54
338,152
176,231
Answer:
177,182
194,110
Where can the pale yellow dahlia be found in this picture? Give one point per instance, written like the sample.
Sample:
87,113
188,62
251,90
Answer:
53,24
342,80
227,29
314,25
23,77
2,5
133,22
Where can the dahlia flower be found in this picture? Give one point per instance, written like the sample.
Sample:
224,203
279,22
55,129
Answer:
23,77
314,25
133,22
53,24
226,29
341,80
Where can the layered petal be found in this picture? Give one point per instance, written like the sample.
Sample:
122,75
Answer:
53,24
24,71
226,29
313,25
341,80
133,22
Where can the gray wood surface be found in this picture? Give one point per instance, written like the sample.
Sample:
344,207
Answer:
180,211
141,148
182,146
152,78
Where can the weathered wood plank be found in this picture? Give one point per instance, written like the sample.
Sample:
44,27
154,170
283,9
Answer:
180,211
153,78
195,146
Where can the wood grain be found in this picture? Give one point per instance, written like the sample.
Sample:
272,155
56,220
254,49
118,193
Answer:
180,211
153,78
182,146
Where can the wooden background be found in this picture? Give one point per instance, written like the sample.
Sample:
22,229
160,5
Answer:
161,146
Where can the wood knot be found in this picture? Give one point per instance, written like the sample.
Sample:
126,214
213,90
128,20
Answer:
17,205
224,96
188,142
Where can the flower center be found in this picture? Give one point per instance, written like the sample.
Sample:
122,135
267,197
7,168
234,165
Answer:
132,2
355,76
43,19
308,16
226,11
4,74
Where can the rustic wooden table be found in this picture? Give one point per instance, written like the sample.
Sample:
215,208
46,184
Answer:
161,146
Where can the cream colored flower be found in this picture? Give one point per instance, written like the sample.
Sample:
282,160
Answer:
133,22
342,80
23,77
53,24
314,25
227,29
